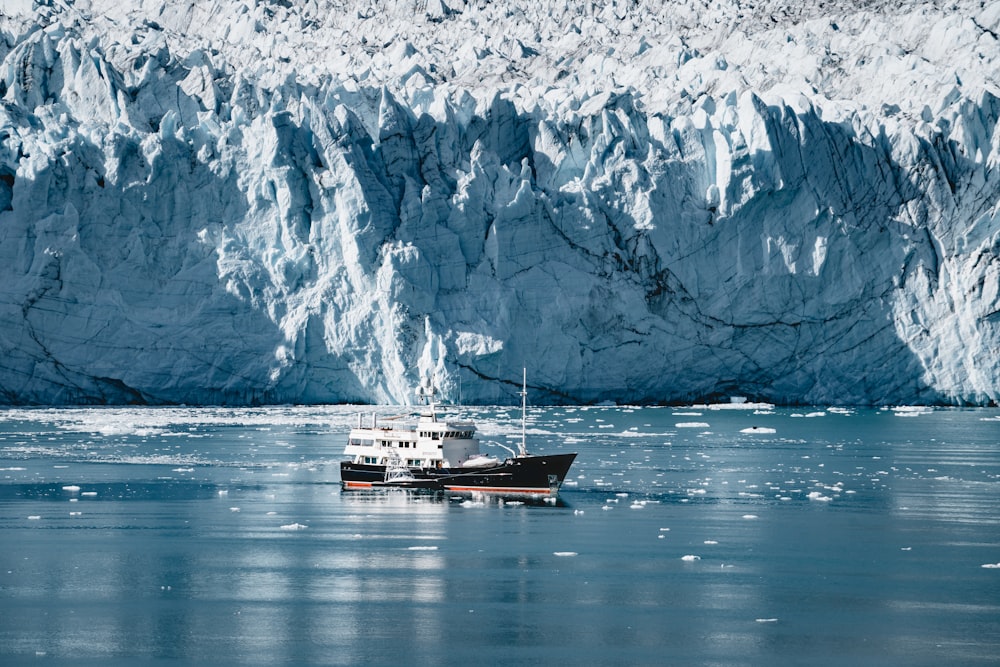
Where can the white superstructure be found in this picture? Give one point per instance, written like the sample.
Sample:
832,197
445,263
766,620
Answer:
427,444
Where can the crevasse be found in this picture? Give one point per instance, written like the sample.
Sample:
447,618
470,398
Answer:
236,202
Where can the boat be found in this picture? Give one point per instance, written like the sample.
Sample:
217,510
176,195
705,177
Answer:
443,455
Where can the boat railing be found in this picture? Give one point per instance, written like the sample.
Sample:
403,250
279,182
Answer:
396,470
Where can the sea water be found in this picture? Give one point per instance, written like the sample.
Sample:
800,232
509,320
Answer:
694,536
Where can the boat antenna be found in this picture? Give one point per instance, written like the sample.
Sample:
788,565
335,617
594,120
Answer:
524,408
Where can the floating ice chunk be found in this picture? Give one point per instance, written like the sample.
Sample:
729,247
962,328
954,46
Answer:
899,409
223,492
991,566
234,509
711,542
72,488
34,517
575,512
749,516
759,429
422,548
690,557
294,526
767,620
691,425
89,493
564,553
816,495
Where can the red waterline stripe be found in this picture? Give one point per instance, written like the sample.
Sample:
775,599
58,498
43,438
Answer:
497,489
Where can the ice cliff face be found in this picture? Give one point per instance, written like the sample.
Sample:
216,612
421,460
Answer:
234,201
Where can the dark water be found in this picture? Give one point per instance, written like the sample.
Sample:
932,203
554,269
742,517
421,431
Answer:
222,537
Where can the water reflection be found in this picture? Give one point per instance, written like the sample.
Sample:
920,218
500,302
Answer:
833,535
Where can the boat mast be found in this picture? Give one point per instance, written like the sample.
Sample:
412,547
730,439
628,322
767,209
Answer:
524,408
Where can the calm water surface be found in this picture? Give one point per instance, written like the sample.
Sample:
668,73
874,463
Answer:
684,537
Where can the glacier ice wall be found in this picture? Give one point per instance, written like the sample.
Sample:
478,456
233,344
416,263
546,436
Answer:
256,202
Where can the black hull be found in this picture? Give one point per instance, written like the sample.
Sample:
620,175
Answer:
541,475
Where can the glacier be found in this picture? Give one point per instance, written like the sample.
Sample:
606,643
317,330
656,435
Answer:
250,202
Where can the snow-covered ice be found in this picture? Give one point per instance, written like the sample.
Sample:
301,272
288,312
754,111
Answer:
235,202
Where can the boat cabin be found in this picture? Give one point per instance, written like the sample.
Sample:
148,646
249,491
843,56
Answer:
428,444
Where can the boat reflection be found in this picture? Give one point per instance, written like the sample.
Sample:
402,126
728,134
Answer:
401,497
